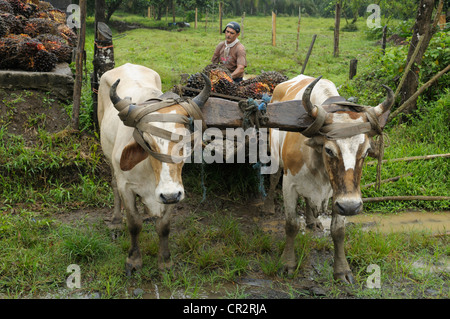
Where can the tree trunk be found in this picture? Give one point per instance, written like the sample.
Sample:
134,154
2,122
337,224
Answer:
337,23
422,27
100,10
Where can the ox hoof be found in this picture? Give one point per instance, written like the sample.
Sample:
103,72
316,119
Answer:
345,276
116,230
315,226
132,266
289,266
115,234
165,265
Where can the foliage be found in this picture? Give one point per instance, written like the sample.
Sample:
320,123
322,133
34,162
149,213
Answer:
318,8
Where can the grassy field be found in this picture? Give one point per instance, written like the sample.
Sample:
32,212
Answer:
190,50
56,200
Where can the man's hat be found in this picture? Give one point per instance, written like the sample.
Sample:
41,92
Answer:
233,25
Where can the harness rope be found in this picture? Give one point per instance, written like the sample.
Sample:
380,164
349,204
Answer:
255,116
344,130
140,115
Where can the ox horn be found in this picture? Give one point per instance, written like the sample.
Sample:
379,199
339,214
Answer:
203,96
306,98
118,102
386,104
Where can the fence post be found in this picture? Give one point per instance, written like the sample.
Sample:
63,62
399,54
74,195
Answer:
353,68
242,26
274,29
79,67
309,53
196,15
220,17
383,40
298,28
337,23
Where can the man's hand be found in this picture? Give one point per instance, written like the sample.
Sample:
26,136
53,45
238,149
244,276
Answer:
239,72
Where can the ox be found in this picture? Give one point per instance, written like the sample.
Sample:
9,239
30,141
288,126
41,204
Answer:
327,164
137,140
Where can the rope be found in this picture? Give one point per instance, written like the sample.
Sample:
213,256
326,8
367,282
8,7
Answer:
254,113
336,131
255,116
140,115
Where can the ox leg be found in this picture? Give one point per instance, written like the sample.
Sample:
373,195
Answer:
134,221
341,268
311,215
269,202
291,228
163,230
116,221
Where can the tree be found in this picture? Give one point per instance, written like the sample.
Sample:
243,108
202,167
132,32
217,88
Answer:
423,28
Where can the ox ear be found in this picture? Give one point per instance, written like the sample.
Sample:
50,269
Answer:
315,142
132,155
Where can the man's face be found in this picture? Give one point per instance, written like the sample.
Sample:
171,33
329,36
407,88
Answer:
230,35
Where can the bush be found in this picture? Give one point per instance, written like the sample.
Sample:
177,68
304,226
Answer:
350,27
190,16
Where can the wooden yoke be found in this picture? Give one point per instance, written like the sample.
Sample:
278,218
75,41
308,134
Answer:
286,116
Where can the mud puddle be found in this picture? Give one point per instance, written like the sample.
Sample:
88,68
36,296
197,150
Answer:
436,222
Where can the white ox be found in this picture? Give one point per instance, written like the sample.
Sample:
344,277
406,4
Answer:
321,167
137,169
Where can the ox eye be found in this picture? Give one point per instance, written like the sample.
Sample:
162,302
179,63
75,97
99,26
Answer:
329,152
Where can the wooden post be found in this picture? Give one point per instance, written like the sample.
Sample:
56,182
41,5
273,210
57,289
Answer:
309,53
298,28
103,61
383,40
79,57
242,25
220,17
337,23
353,67
149,12
274,29
442,21
173,12
196,16
206,20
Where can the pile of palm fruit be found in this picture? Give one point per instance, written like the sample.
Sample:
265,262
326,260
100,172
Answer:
33,36
222,82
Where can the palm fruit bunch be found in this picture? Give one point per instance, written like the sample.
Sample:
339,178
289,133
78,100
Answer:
9,50
13,24
32,56
23,8
221,81
36,26
33,35
57,45
270,78
4,30
6,7
254,90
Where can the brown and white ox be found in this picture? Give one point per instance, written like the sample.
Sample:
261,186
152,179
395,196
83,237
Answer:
320,167
138,147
